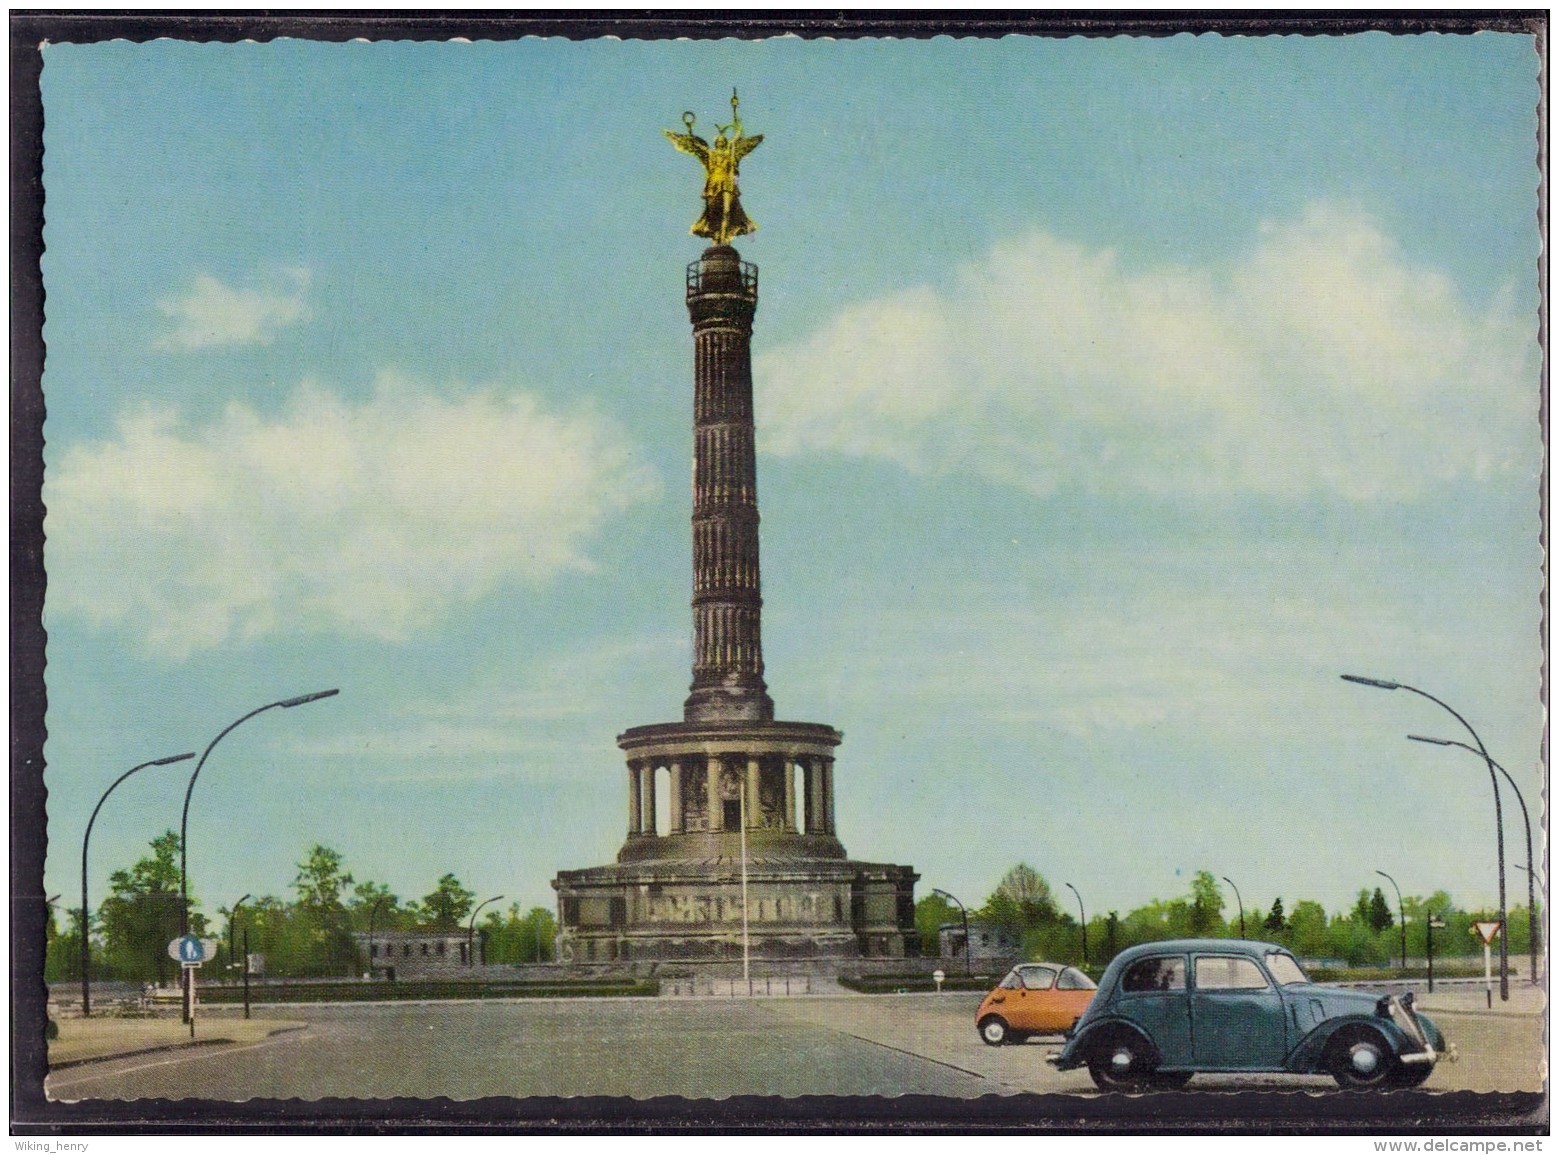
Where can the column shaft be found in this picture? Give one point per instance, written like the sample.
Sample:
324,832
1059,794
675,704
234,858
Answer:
633,799
828,795
647,798
676,798
754,805
814,796
789,768
716,805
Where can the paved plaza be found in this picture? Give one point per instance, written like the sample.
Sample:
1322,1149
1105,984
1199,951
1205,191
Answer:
695,1048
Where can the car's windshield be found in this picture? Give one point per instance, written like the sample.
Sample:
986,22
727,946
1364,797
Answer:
1038,978
1285,970
1073,979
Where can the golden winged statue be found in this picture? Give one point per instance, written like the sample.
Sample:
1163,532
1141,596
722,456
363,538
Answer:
723,217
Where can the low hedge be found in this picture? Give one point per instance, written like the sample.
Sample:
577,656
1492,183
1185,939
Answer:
1455,968
383,991
911,983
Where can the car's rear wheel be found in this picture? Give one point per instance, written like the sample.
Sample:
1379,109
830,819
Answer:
993,1030
1121,1062
1360,1059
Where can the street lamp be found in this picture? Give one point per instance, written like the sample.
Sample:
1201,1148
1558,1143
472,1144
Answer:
284,704
232,918
1401,916
1241,903
86,951
1082,920
1499,818
1527,821
372,915
968,966
471,931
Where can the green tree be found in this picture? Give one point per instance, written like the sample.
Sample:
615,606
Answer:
447,905
512,938
140,916
1275,922
321,880
321,932
1307,926
930,913
1206,903
1379,916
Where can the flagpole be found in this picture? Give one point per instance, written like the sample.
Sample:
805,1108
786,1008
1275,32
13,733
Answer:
746,964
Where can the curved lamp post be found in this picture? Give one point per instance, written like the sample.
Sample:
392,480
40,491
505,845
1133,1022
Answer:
232,920
1241,903
372,916
86,950
1499,818
1082,920
1401,916
1527,821
284,704
471,931
968,946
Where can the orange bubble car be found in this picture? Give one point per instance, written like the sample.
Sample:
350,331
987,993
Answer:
1034,999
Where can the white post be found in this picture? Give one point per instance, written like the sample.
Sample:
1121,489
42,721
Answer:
1488,974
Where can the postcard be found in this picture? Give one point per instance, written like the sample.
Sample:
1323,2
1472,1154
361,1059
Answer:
985,576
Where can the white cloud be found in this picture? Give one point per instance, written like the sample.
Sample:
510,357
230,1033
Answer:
212,313
1322,362
370,519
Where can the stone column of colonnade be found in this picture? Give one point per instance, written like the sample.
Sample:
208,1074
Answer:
817,793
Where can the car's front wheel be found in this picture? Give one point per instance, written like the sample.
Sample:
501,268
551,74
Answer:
1411,1074
1121,1062
1360,1059
993,1029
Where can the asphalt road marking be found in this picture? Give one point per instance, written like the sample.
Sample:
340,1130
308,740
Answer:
902,1051
184,1055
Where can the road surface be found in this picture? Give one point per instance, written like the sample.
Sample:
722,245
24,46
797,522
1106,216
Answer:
696,1048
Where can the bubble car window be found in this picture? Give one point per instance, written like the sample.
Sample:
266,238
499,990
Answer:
1229,974
1155,974
1038,978
1073,979
1012,982
1285,969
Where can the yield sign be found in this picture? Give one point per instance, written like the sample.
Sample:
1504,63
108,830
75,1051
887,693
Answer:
1486,930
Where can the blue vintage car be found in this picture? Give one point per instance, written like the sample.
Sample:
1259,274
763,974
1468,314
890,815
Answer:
1167,1010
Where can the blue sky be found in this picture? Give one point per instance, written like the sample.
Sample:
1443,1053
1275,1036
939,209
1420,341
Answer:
1114,396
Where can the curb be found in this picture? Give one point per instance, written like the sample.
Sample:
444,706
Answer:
67,1064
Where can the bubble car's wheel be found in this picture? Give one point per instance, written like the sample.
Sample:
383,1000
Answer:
1120,1063
993,1029
1359,1059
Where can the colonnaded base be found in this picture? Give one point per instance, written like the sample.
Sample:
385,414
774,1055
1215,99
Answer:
675,892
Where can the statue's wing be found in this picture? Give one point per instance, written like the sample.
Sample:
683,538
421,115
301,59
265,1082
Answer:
689,143
745,144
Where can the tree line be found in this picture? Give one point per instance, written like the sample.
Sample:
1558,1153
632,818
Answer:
1368,933
309,935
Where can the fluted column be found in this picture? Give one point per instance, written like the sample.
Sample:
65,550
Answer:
754,795
716,807
814,796
727,601
634,826
789,768
676,798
